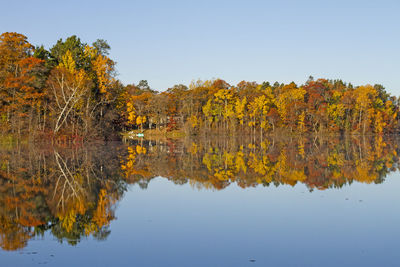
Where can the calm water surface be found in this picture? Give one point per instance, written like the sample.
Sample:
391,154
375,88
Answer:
294,203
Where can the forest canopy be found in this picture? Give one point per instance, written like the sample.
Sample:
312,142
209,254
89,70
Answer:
72,90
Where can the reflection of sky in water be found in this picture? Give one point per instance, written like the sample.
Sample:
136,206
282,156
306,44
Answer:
171,225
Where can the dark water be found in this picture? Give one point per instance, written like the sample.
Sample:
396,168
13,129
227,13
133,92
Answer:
288,202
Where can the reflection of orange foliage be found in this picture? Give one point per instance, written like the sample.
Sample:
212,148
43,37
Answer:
102,215
12,235
363,174
57,187
31,221
22,201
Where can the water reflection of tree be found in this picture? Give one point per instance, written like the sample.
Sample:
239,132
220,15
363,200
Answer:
319,163
71,192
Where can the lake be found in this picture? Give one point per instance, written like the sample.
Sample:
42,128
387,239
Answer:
287,201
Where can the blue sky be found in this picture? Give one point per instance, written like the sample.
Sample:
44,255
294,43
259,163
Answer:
171,42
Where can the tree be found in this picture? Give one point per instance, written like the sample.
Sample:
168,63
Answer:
75,47
365,97
21,81
143,86
102,47
70,93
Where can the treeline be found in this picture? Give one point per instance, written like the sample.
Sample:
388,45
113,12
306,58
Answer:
71,90
318,163
319,106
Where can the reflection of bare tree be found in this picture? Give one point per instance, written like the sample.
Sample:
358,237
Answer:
69,180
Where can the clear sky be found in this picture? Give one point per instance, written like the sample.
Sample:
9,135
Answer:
171,42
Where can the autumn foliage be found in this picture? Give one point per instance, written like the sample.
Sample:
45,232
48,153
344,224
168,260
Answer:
67,91
71,90
318,107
